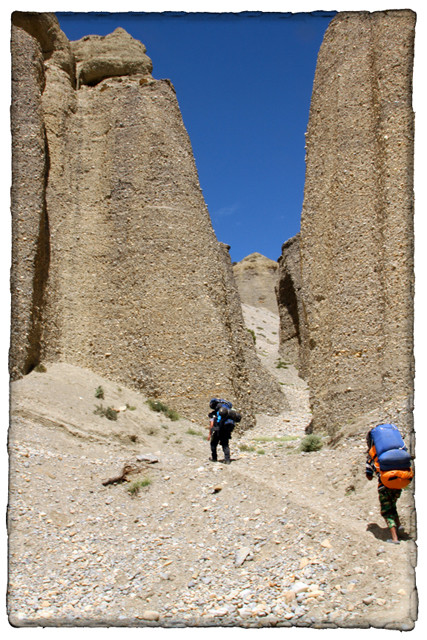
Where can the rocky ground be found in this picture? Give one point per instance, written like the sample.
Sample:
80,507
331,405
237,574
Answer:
278,538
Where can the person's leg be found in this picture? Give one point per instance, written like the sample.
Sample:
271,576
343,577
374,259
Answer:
393,533
226,449
388,499
397,494
214,444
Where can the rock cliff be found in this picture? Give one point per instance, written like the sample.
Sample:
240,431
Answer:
116,267
356,240
255,278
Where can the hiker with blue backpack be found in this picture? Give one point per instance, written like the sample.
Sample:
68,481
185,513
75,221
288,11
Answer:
222,422
390,460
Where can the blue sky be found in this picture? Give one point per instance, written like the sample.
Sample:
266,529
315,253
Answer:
243,83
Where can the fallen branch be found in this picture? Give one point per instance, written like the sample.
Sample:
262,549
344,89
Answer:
129,469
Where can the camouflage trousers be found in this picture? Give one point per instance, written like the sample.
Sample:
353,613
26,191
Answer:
388,499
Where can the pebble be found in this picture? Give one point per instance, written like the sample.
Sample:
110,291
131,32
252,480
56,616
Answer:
150,615
300,586
326,543
241,556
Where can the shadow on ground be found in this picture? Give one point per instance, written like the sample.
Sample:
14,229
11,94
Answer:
382,533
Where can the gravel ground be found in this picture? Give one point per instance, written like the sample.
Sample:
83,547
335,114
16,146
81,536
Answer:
278,538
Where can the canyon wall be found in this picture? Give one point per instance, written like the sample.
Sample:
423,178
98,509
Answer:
116,267
356,239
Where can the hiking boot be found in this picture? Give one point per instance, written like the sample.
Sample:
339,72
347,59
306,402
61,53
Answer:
227,461
213,459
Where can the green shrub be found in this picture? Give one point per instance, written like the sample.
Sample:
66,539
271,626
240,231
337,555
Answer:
99,393
253,335
282,365
40,368
246,447
135,486
193,432
311,442
160,407
106,412
261,452
129,407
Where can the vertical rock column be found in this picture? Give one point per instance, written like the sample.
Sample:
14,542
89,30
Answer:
357,227
30,247
293,330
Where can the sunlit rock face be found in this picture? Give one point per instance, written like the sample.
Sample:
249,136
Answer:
116,267
356,239
256,278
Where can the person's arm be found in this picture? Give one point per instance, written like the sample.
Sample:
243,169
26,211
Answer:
369,469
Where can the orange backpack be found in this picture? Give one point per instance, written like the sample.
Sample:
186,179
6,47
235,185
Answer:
396,479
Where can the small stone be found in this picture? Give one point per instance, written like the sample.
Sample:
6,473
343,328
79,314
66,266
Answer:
241,556
261,610
219,613
401,592
325,543
147,457
300,586
149,615
368,600
289,595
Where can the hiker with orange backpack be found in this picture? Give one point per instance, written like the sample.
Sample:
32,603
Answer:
389,459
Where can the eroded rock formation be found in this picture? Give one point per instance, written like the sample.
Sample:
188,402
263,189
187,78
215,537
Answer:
116,266
288,290
256,278
356,241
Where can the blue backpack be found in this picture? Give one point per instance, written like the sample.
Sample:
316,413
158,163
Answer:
224,416
390,456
